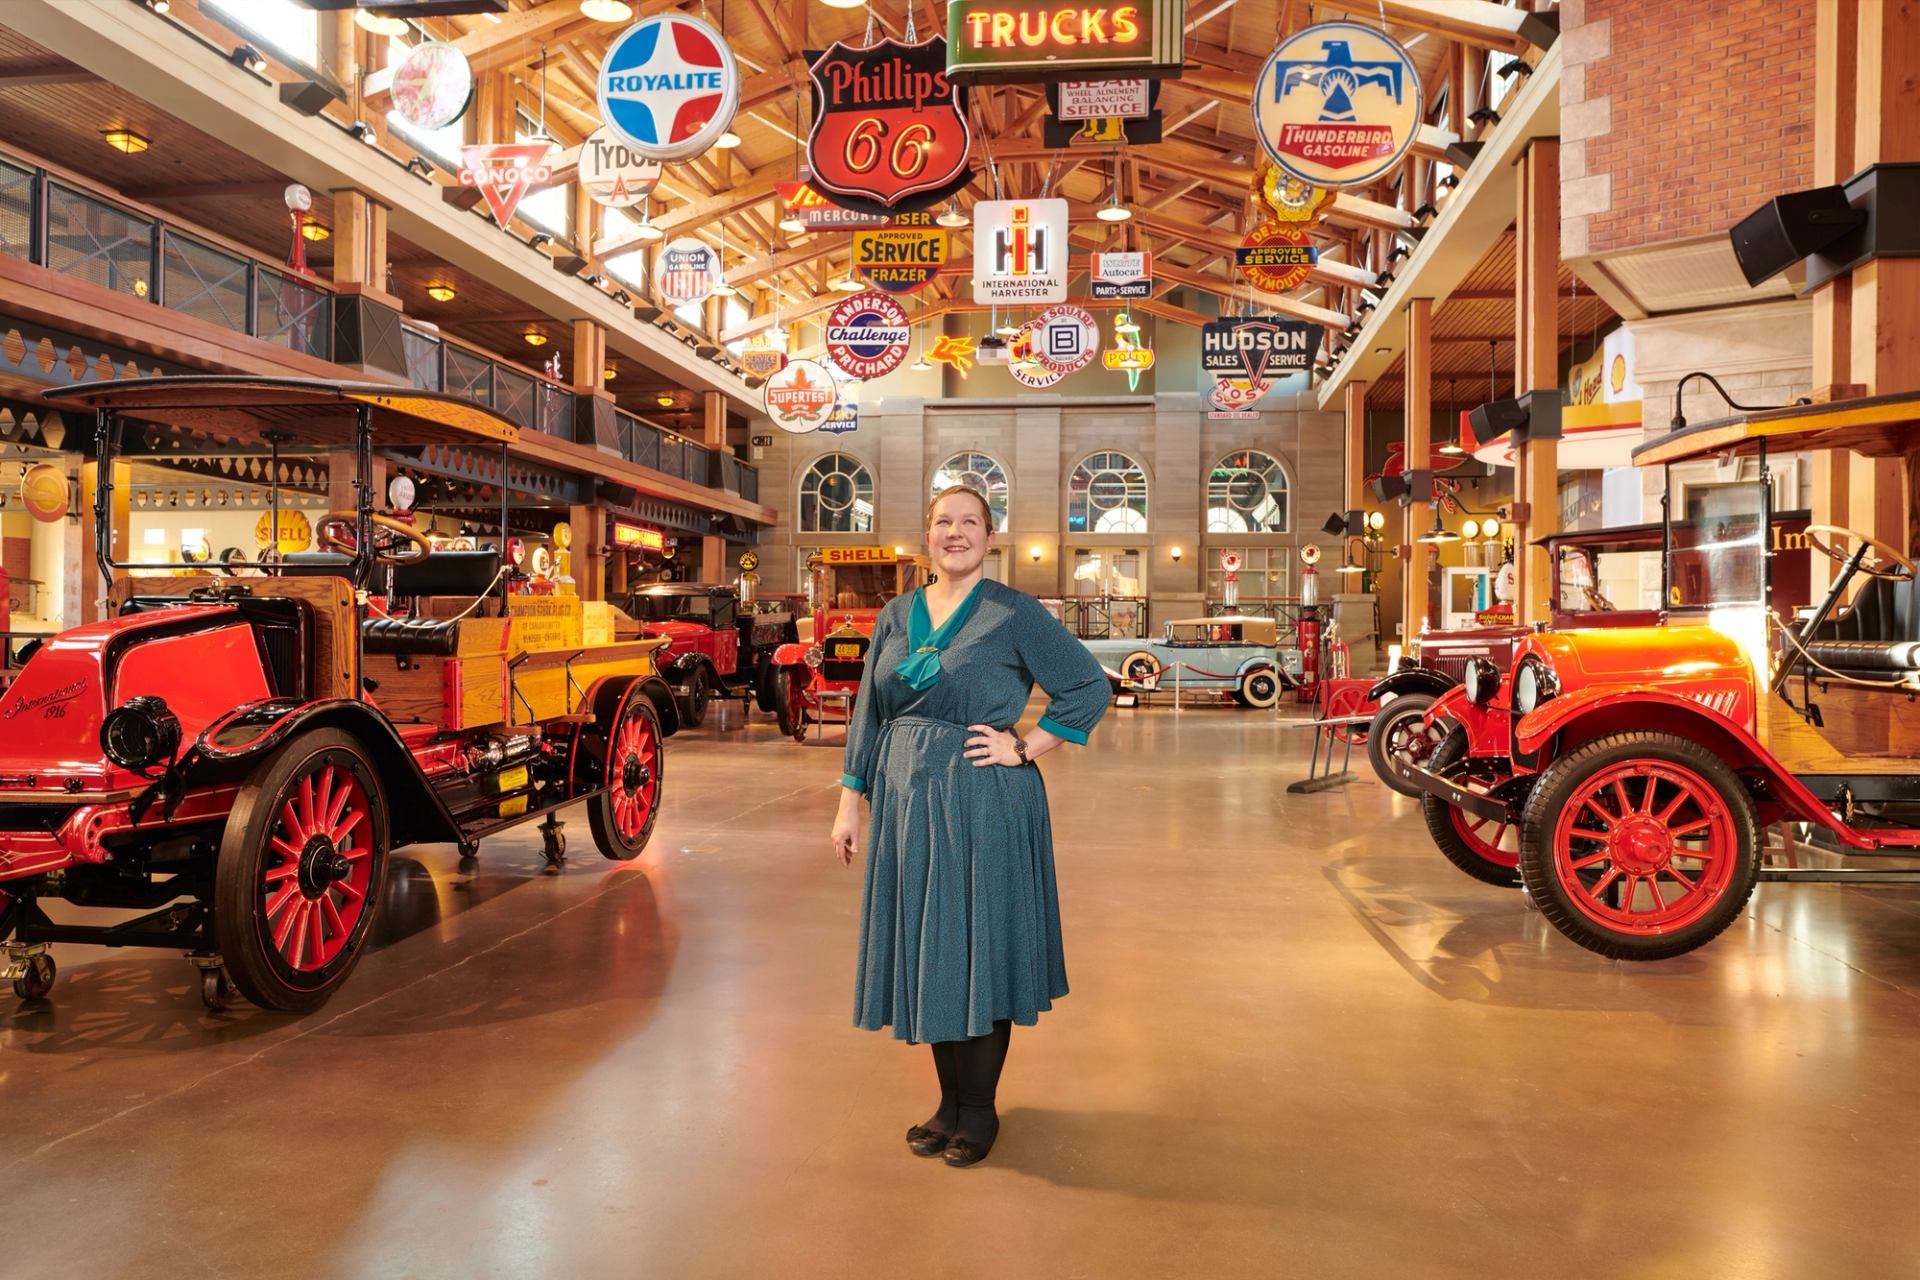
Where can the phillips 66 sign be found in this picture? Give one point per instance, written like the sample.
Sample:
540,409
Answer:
889,131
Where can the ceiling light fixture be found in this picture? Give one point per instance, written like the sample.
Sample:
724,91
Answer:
1439,533
1007,330
1113,210
647,231
363,131
245,55
606,374
535,338
125,140
380,24
665,402
952,217
606,10
314,229
422,166
537,239
441,292
159,6
792,225
844,4
727,140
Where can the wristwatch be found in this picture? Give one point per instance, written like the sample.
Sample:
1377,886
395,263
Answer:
1020,748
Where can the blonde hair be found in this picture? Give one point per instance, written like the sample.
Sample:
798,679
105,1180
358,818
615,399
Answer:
986,509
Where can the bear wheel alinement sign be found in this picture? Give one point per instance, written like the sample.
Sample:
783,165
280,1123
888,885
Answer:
1337,105
889,131
669,86
868,335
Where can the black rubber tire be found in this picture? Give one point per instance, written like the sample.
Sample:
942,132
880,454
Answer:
1555,788
693,706
1142,660
37,981
763,688
1441,817
1259,689
1384,722
783,708
238,917
601,817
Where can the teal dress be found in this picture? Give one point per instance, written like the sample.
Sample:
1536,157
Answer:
960,918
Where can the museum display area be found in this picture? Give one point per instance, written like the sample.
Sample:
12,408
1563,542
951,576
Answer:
525,526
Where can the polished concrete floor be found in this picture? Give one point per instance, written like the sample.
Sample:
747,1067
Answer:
1298,1044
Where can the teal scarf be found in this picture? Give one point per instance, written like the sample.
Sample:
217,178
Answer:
921,667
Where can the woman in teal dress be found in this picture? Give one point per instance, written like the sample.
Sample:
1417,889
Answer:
960,920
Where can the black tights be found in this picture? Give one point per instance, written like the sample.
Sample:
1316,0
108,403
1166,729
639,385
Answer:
969,1078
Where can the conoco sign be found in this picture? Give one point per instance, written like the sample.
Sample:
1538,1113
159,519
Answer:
889,130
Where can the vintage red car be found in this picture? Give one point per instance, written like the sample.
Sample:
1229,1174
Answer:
236,758
1639,765
717,644
816,676
1584,565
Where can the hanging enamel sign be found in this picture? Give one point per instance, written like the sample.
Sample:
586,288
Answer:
889,132
1025,364
669,86
1276,256
1020,251
614,174
868,335
503,171
1235,397
686,270
1257,346
899,259
1065,338
432,85
1121,275
800,397
1337,105
1041,41
762,361
1288,199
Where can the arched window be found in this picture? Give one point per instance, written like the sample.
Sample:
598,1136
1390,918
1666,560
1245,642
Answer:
1247,493
1107,494
981,474
836,496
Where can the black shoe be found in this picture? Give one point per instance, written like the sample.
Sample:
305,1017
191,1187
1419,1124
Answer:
961,1152
972,1137
923,1141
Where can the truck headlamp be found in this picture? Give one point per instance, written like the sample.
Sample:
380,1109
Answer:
815,656
140,733
1533,684
1482,681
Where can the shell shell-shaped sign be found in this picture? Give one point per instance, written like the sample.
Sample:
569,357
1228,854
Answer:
44,492
1338,104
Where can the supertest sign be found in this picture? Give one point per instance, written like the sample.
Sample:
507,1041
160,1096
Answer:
1039,41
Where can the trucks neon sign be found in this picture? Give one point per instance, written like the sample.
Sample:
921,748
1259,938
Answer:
991,40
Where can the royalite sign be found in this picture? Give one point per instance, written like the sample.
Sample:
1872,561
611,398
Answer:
1036,41
1122,275
899,259
1258,346
889,131
1337,104
1065,338
503,171
669,86
799,397
614,174
686,270
1020,251
868,335
1277,256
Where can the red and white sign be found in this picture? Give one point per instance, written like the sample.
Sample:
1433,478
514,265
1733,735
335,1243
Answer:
1020,251
1122,275
432,85
614,174
686,270
868,335
1103,100
1065,338
800,397
1236,396
503,171
1024,362
1337,104
889,130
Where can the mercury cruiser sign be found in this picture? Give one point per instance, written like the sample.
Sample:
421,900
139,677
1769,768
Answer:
1258,347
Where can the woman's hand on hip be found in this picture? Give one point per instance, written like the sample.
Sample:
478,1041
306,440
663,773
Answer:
991,746
846,830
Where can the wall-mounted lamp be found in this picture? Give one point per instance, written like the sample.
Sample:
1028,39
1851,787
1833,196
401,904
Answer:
1176,553
245,55
1035,553
422,166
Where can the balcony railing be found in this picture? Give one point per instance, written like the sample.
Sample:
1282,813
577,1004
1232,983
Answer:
55,223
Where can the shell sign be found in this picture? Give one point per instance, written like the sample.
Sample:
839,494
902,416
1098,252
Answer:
295,533
44,492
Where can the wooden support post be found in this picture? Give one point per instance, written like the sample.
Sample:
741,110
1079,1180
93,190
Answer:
713,550
93,588
588,556
1356,465
589,354
1536,367
1836,27
1417,589
352,233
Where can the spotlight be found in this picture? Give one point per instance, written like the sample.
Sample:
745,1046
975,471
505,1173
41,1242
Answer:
596,279
622,297
1399,253
1424,212
1484,116
363,132
537,239
159,6
1515,68
420,165
1384,279
1366,304
245,55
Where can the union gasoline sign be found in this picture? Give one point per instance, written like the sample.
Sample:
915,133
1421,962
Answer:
889,130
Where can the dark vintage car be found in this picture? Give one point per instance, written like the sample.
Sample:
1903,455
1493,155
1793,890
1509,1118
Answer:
717,644
1582,564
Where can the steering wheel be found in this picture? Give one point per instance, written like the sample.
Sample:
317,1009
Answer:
1902,566
1597,602
336,532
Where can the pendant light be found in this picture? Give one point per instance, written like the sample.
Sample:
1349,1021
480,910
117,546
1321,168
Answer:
646,230
952,218
1452,447
721,289
1113,210
1439,533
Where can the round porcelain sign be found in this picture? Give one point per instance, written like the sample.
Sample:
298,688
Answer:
868,335
432,85
686,270
800,397
669,87
1337,104
1065,338
613,173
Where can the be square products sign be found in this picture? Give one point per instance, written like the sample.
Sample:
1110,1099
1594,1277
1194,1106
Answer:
1039,41
1258,347
1020,251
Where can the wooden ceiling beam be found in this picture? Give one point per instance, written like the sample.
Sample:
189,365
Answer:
1480,23
498,44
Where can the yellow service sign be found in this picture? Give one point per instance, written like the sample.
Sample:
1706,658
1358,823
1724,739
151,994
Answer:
856,555
295,533
900,259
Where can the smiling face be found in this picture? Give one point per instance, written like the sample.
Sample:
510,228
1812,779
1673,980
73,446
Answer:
959,533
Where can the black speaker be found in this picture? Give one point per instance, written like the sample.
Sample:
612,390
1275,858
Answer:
461,197
1390,488
309,97
1789,228
569,264
1496,418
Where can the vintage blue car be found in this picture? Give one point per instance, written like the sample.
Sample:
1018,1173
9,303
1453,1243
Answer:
1231,652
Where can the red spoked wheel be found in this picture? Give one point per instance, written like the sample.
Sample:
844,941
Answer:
1484,848
1640,846
299,874
622,817
1346,700
1400,731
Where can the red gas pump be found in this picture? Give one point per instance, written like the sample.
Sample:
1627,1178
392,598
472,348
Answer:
1308,632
